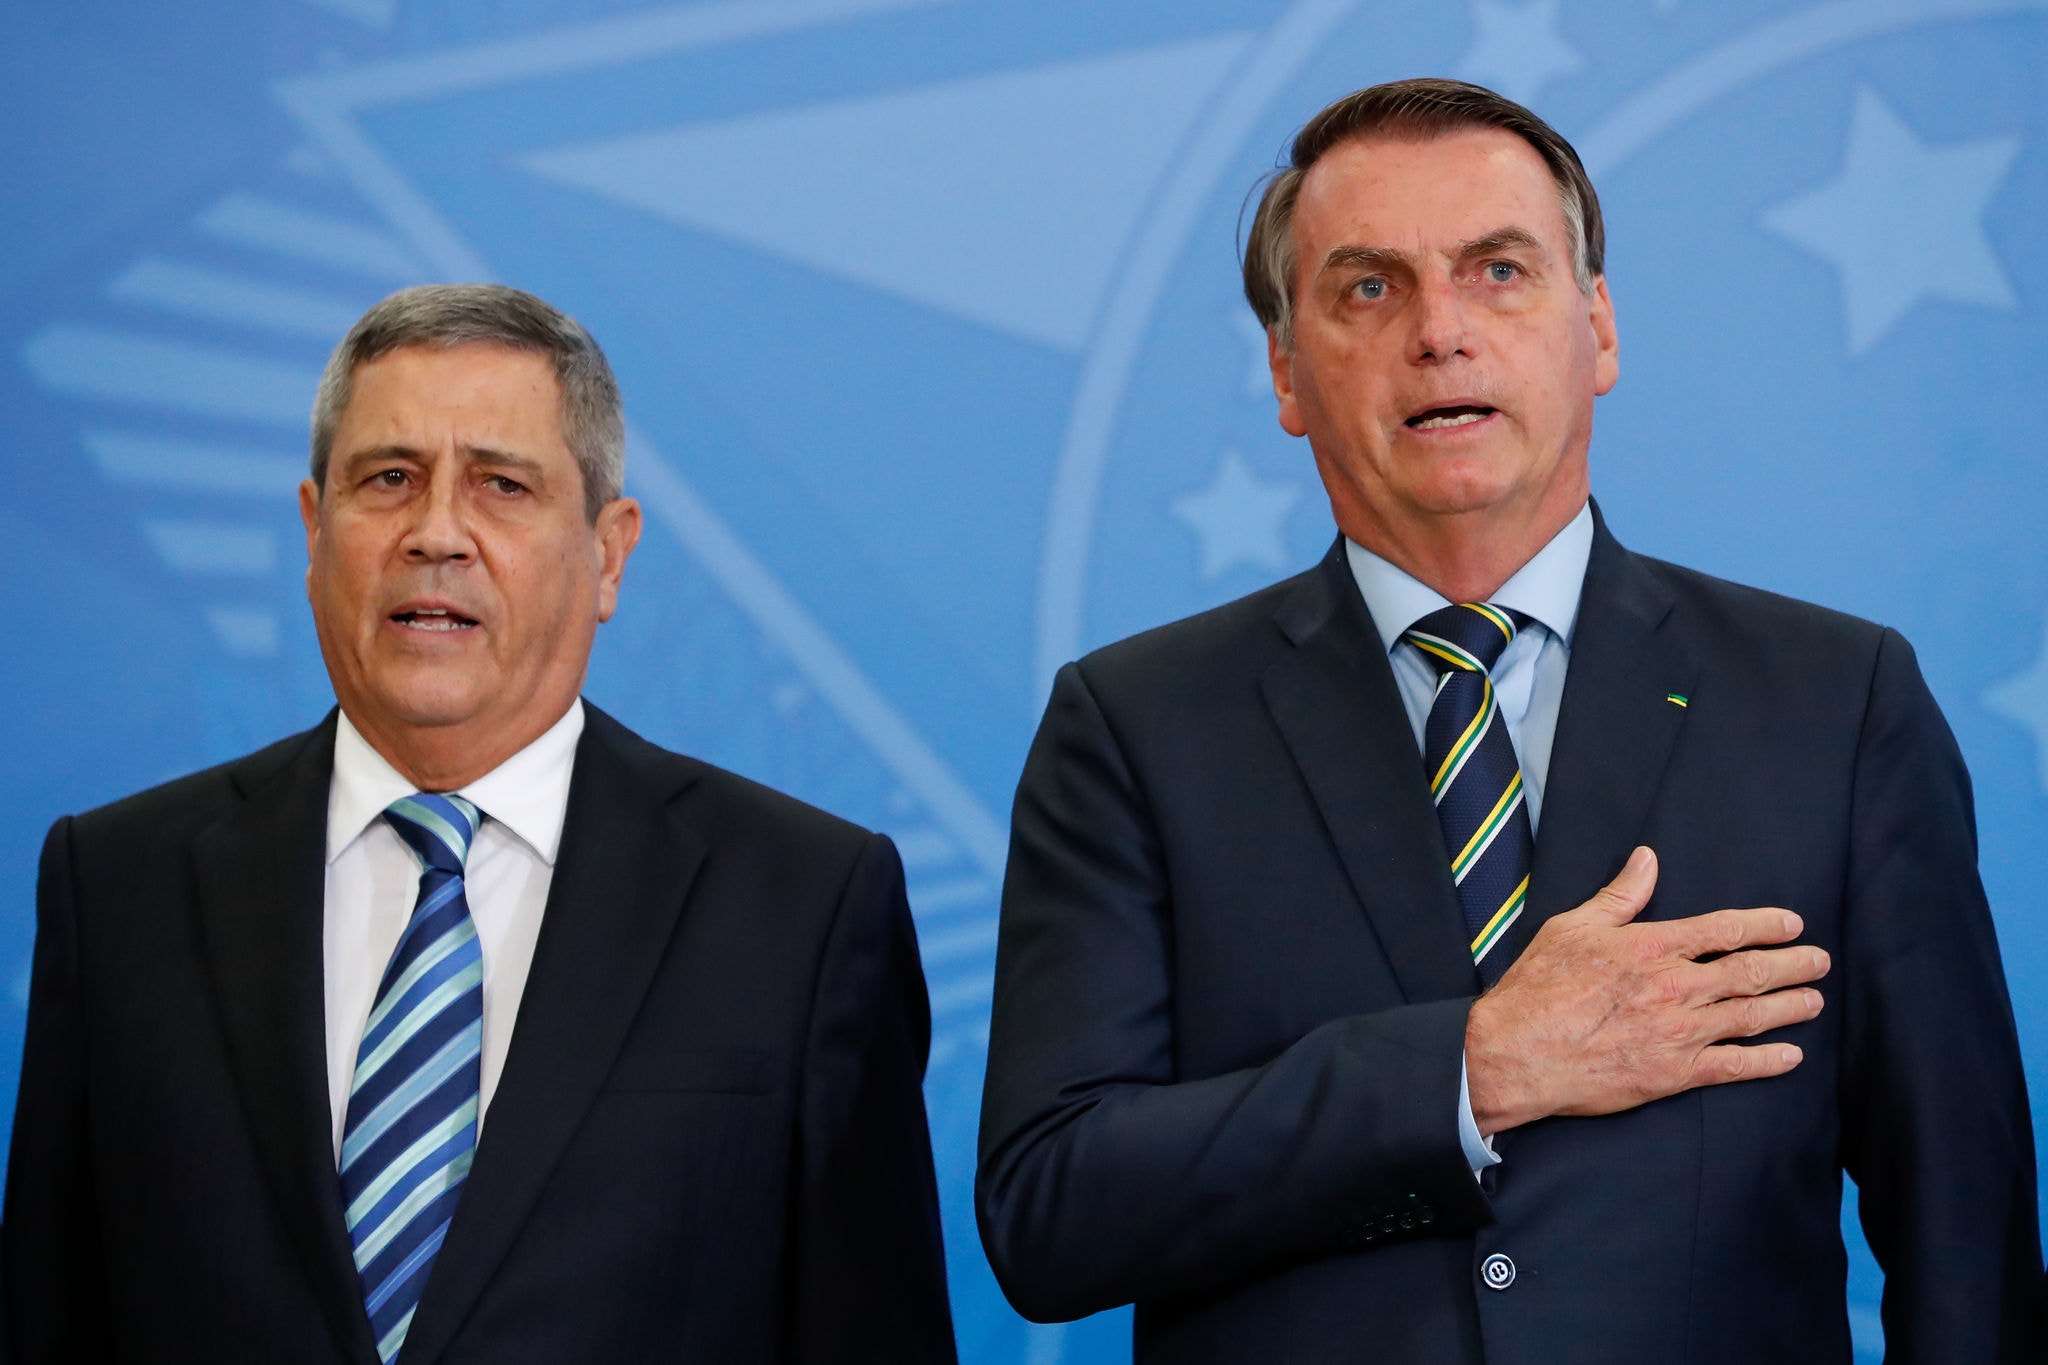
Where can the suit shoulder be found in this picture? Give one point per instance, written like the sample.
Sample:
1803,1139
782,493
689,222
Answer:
1239,633
1737,611
728,806
1762,610
777,815
1758,606
191,802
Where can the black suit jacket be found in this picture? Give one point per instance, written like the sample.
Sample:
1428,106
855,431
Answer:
708,1143
1232,984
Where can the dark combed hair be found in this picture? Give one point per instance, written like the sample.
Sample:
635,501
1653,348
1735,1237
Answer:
1425,107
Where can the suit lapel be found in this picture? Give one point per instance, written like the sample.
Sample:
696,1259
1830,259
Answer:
261,875
1337,706
625,868
1615,730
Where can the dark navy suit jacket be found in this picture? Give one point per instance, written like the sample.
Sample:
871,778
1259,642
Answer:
1232,985
709,1142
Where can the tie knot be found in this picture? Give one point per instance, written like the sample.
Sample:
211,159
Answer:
1466,635
438,828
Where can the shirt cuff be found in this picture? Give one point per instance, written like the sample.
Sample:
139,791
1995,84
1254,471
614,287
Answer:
1479,1152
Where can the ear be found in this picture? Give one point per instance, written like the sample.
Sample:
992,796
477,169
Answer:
1281,363
616,533
1607,360
309,513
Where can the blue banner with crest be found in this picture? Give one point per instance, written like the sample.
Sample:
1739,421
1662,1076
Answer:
927,317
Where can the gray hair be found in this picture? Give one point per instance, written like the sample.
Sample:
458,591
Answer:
1420,108
445,315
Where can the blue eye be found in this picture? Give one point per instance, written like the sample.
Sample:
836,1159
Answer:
1372,289
1502,272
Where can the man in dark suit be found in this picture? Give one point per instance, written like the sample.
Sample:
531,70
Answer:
1343,1010
275,1105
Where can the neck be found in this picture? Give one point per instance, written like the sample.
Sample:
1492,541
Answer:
446,758
1465,556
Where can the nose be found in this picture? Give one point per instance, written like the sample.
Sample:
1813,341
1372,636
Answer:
1441,333
440,533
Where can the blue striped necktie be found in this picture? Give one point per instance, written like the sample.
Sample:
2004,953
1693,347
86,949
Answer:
412,1110
1473,774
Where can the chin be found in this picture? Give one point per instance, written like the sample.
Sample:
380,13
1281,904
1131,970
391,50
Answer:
1455,491
430,703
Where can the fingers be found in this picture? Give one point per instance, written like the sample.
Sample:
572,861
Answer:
1724,931
1720,1065
1760,970
1622,899
1753,1014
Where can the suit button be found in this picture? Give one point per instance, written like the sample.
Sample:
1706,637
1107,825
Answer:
1407,1222
1425,1215
1497,1271
1390,1225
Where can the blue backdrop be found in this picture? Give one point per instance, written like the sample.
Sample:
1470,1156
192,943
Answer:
928,324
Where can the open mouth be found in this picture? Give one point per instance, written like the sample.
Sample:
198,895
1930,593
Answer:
433,619
1456,415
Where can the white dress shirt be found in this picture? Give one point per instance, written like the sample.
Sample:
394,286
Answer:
373,880
1528,678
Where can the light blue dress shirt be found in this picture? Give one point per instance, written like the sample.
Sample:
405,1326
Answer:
1528,678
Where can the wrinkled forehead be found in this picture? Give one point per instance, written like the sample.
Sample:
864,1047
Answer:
468,388
1427,194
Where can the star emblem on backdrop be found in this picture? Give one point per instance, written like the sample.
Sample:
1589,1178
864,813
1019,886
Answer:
1902,221
2023,699
1238,518
1517,49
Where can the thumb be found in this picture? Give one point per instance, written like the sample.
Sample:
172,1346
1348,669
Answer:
1622,899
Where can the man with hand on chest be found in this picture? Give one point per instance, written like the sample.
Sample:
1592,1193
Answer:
1492,944
469,1026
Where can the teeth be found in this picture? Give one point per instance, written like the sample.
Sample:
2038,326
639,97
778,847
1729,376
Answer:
436,618
1463,419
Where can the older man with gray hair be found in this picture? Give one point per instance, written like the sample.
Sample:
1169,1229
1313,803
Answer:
468,1025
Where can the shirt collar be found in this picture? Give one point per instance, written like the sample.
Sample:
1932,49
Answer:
528,793
1546,588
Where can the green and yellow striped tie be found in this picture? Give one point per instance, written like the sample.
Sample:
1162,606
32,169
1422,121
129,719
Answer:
1473,775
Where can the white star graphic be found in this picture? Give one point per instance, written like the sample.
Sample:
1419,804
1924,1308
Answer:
1258,374
2024,699
1517,50
1902,221
1237,519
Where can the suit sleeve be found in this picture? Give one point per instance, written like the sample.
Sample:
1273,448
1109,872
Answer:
1107,1178
870,1265
55,1278
1936,1131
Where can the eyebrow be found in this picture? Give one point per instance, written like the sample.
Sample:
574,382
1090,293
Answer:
1382,258
1500,239
487,455
1363,258
481,454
